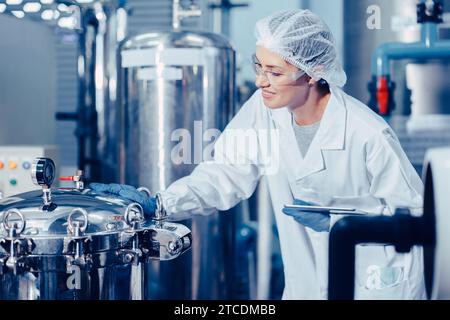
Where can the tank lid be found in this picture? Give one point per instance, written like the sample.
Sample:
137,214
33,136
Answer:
93,212
174,39
84,228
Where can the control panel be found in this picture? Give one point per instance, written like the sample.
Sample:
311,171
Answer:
16,164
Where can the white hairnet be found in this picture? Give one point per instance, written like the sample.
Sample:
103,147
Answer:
304,40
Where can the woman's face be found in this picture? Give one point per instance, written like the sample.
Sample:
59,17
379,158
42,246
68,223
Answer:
278,82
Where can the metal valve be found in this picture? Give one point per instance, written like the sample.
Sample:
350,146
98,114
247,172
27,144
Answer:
167,240
430,11
77,178
179,13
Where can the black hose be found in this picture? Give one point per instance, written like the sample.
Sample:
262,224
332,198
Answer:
401,230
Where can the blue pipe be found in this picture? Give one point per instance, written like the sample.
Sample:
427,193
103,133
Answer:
428,48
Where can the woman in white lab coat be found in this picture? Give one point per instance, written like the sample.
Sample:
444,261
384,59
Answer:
348,156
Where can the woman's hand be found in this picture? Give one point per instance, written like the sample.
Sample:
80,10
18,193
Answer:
147,202
317,221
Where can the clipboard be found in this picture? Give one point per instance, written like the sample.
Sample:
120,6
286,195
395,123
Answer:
327,210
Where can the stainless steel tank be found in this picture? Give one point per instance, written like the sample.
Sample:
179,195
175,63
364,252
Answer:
175,86
74,244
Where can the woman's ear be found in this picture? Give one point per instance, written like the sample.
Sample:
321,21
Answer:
311,81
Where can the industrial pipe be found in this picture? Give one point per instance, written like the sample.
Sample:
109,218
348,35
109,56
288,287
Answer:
99,34
429,15
401,230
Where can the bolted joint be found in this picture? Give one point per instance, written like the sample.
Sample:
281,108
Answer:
430,11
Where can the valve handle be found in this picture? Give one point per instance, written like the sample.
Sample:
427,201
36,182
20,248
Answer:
77,178
66,178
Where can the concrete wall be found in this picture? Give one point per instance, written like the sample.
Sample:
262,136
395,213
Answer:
27,82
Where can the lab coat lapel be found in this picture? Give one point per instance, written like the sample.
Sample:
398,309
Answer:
329,136
331,133
290,152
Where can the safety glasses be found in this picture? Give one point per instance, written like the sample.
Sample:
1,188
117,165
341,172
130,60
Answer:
274,77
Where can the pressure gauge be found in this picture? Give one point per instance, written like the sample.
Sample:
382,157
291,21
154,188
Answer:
43,172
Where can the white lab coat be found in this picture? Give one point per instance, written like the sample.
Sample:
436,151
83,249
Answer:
354,160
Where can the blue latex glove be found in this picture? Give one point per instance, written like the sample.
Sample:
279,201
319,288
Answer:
129,193
317,221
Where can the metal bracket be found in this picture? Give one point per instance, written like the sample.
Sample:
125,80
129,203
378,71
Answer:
160,213
131,238
130,256
76,245
168,242
134,215
16,246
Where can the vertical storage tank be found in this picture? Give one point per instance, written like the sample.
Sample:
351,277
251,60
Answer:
175,87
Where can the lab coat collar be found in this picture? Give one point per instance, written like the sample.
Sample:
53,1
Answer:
331,133
329,136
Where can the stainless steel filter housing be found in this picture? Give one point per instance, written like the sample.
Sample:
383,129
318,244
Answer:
172,83
78,244
177,92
